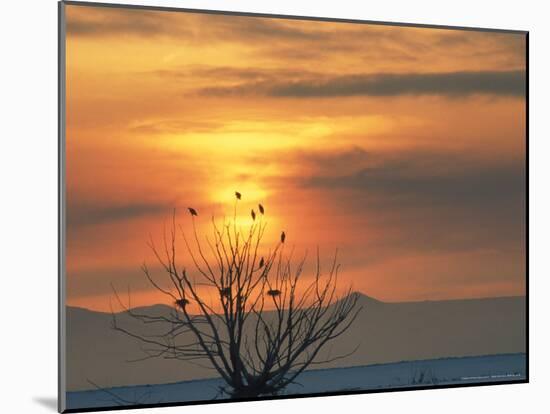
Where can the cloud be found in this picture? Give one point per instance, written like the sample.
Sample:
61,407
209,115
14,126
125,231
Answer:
199,27
450,84
94,213
104,22
233,75
430,178
174,126
419,201
268,29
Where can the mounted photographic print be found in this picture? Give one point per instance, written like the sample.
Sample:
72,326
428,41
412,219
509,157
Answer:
258,207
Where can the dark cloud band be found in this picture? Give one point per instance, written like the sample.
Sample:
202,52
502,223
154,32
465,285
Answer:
79,214
453,84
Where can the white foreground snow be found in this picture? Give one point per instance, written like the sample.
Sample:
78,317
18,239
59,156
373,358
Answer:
494,368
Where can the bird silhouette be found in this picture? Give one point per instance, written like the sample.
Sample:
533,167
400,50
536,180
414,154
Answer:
181,303
262,262
193,211
238,195
273,292
261,208
253,214
283,237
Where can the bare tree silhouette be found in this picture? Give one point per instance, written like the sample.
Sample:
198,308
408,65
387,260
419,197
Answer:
267,324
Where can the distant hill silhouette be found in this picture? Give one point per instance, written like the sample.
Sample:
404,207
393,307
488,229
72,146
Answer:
386,332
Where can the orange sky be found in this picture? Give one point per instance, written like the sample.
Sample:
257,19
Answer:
403,147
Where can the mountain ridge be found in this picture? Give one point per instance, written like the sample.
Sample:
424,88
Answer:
385,332
362,297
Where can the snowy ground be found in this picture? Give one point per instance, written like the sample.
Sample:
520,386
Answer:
493,368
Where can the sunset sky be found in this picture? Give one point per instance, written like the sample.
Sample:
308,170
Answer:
402,147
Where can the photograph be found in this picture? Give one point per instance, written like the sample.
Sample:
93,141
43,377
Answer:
260,206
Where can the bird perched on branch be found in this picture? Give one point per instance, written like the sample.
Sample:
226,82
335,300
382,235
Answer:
273,292
283,237
261,208
238,195
192,211
261,263
182,303
253,214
